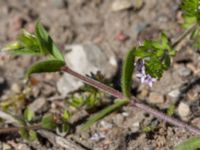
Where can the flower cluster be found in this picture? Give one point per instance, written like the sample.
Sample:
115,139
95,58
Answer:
142,75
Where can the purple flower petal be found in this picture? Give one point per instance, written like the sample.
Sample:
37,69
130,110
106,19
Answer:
141,74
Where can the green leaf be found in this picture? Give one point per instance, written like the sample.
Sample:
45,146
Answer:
32,135
24,133
46,43
44,40
12,46
28,114
66,115
16,48
190,10
154,67
48,122
91,100
127,72
26,44
77,101
64,128
196,38
188,22
45,66
156,54
29,135
171,110
93,119
190,144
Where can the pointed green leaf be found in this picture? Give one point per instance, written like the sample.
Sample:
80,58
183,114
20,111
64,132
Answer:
26,44
48,122
171,109
24,133
16,48
190,9
46,43
45,66
28,114
29,135
11,46
93,119
127,72
27,39
66,115
26,51
190,144
32,135
43,38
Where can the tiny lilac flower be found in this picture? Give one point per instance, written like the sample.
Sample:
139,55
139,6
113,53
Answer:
149,80
98,136
141,74
140,66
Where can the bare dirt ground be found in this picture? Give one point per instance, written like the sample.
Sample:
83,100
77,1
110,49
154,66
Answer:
82,21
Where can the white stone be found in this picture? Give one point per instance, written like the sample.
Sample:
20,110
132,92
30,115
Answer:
37,104
106,125
175,93
184,71
16,88
85,59
118,5
183,110
156,98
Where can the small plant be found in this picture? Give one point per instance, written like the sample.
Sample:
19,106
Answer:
89,96
25,133
148,60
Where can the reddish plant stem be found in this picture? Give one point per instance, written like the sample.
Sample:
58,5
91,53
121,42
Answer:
16,129
134,102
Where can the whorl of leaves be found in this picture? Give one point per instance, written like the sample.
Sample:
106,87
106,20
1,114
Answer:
191,11
190,7
156,54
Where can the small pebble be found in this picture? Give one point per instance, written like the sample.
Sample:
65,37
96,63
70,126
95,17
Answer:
143,93
23,147
59,3
2,80
175,93
118,5
37,104
196,122
16,88
156,98
184,72
118,119
5,146
125,114
106,124
183,110
98,136
135,127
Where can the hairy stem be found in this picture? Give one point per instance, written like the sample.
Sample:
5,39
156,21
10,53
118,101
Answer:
134,102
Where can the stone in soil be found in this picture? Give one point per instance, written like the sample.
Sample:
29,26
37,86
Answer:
183,110
37,104
184,71
85,59
118,5
156,98
174,94
15,88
